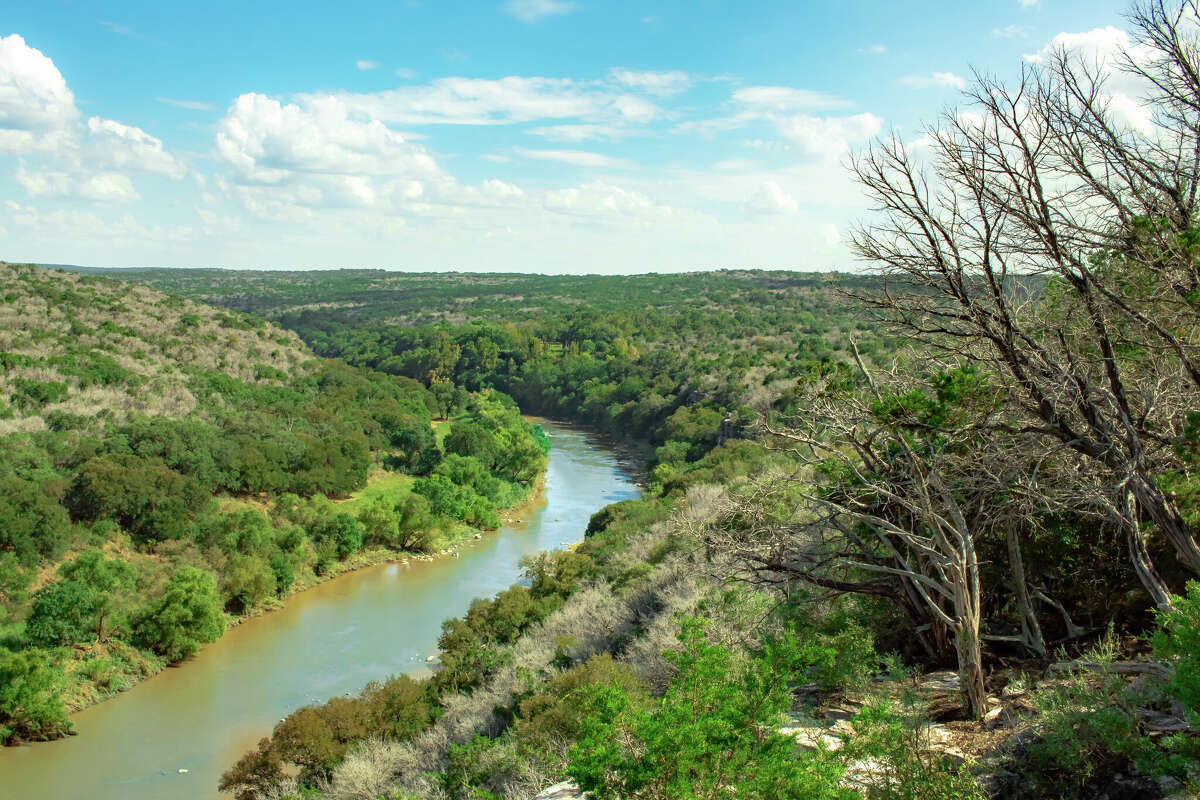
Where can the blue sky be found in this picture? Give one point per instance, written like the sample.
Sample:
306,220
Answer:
518,135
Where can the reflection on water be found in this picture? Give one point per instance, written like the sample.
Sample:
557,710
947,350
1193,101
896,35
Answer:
329,640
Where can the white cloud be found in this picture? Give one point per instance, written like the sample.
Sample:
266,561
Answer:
39,121
657,83
787,98
581,132
1012,32
873,49
34,98
405,73
1027,3
120,146
191,105
599,199
534,10
578,158
1100,50
771,198
514,99
267,142
947,80
829,137
365,64
104,187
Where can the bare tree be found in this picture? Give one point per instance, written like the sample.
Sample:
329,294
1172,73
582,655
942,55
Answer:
892,503
1037,234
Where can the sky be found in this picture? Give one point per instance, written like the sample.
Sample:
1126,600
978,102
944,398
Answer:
555,136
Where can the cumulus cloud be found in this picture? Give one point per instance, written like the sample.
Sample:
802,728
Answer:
787,98
534,10
599,199
934,80
658,83
873,49
34,98
365,64
126,147
39,120
266,142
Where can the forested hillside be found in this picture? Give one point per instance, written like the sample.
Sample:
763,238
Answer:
166,467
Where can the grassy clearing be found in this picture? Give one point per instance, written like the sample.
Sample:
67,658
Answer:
380,483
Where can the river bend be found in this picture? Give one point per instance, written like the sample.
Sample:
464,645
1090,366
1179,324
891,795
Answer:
328,640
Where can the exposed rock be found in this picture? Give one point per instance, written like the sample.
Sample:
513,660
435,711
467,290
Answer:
567,790
944,681
1000,718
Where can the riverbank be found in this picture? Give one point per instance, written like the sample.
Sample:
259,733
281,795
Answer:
327,641
102,671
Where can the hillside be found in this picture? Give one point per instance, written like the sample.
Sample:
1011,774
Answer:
167,468
87,346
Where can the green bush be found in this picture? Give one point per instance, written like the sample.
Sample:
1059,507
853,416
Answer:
187,616
30,705
712,735
895,742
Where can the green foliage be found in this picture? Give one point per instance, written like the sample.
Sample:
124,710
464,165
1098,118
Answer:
62,614
895,742
448,499
150,500
711,736
1089,725
30,706
1178,640
342,532
35,526
187,616
110,585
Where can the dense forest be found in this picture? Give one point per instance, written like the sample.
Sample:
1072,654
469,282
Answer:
169,467
928,532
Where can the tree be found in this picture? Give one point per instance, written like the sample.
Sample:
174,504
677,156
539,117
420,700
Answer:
111,584
1055,245
30,704
35,525
187,616
62,614
151,501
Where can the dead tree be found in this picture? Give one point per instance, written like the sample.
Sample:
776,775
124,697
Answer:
1039,235
888,505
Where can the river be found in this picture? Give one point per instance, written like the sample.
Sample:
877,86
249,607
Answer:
331,639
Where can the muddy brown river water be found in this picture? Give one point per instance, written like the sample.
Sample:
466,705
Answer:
331,639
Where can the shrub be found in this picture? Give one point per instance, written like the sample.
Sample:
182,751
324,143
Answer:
711,736
896,744
30,705
187,616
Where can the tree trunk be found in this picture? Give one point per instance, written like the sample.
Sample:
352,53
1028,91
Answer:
1168,519
966,638
1144,567
1031,631
970,668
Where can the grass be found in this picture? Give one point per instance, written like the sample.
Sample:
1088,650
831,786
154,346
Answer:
380,483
